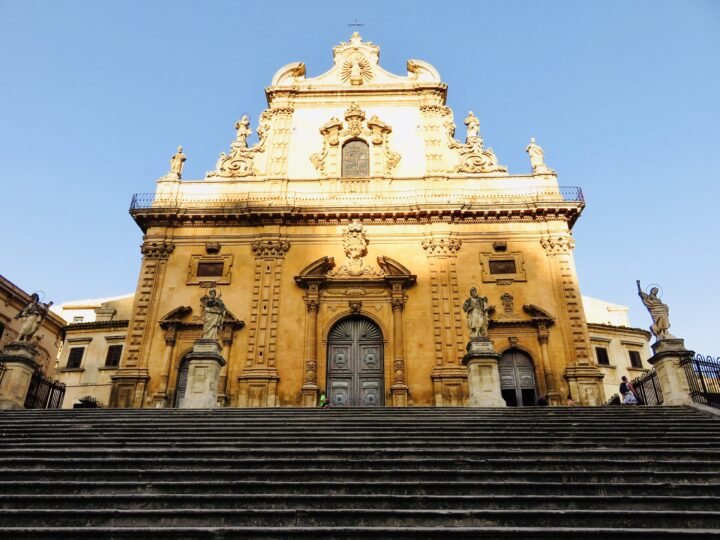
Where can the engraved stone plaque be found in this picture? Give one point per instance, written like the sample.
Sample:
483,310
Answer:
355,159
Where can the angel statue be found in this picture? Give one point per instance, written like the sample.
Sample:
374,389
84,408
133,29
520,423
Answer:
33,314
476,308
213,314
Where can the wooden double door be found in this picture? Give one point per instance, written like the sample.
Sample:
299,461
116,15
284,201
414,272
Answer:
355,372
517,379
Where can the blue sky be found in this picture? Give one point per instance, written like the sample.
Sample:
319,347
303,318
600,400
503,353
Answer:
622,95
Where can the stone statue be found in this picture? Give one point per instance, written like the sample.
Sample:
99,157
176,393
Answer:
537,158
213,314
659,312
33,315
476,308
473,125
177,162
243,131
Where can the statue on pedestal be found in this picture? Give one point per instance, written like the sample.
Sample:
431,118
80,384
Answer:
177,162
659,312
213,314
476,308
33,314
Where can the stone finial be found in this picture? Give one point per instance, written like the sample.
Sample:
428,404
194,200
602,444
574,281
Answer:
537,158
473,126
243,131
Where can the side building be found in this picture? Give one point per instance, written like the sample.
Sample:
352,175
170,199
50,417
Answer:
619,349
92,346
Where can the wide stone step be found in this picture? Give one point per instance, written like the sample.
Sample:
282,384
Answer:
187,463
347,517
378,475
360,488
340,501
344,533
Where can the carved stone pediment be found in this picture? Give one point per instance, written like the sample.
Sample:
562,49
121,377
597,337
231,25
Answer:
373,132
537,313
181,318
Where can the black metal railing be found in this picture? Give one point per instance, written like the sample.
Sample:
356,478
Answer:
160,201
703,376
44,392
647,388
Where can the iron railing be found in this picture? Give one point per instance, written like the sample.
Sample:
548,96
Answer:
186,199
703,376
647,388
44,392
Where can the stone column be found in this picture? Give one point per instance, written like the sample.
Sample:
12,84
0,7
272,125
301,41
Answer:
204,365
673,381
310,387
483,374
20,361
399,388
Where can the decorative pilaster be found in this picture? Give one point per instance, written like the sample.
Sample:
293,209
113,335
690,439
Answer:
160,399
310,387
258,382
131,378
436,121
584,378
449,376
550,387
281,126
399,387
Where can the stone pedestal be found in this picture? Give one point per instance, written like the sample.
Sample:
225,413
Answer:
483,374
673,381
20,363
204,365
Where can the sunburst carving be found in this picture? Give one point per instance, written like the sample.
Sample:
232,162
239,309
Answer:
362,65
355,328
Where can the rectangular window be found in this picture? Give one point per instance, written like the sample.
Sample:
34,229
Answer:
75,357
78,319
113,356
602,356
210,269
635,360
502,266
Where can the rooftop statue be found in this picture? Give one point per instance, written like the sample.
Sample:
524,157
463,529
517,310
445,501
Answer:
177,162
213,314
33,314
537,158
476,308
473,125
659,312
243,131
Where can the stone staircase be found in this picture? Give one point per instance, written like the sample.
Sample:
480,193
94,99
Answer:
617,472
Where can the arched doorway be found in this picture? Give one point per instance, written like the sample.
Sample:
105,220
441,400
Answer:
355,374
181,381
517,379
355,159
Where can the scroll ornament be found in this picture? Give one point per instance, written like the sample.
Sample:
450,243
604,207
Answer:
240,161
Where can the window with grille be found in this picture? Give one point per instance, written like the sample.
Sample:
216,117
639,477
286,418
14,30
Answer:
602,356
113,356
75,357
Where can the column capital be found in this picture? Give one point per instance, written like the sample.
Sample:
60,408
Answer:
157,250
557,243
438,246
270,249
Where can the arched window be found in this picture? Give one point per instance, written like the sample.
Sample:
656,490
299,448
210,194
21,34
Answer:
355,159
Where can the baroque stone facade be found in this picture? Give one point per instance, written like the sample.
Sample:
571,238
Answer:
343,242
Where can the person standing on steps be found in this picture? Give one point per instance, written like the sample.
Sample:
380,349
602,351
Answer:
627,392
324,403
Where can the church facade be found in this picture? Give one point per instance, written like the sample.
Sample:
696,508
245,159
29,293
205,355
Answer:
343,244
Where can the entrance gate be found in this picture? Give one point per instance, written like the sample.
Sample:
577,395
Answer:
517,379
355,374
